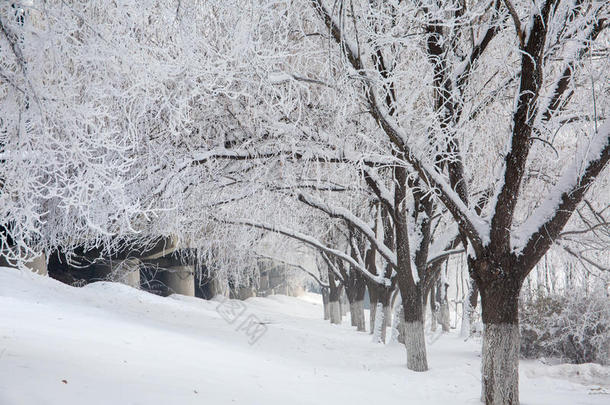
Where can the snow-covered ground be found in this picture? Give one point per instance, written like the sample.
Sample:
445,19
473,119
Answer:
110,344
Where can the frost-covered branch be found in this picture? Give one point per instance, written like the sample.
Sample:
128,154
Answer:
308,240
352,220
537,234
296,266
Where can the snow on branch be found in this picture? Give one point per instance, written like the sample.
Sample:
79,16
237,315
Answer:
309,241
353,220
474,226
382,193
444,255
323,156
331,266
296,266
544,225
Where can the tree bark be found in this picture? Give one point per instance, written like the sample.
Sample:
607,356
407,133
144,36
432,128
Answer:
445,319
398,325
357,307
377,327
414,329
500,357
335,312
468,307
334,295
383,317
373,299
387,313
351,299
325,303
357,314
344,303
409,282
355,290
433,309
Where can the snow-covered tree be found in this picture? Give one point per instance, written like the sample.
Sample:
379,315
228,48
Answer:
408,128
532,68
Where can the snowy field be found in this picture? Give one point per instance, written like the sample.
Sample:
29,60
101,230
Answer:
110,344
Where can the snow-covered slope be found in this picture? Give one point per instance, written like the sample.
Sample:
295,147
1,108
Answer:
110,344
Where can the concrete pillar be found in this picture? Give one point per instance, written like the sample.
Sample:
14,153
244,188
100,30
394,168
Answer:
246,292
38,264
219,287
130,273
180,280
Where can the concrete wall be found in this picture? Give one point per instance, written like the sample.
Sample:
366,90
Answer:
180,280
38,265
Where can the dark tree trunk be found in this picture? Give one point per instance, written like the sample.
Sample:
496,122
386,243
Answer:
385,302
410,287
360,293
499,286
473,298
334,295
355,295
352,311
380,311
412,302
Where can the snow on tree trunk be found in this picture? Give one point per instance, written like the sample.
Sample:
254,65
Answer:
433,309
373,317
344,305
414,329
353,313
401,327
374,300
335,312
357,315
500,353
468,307
355,292
385,314
445,319
397,334
387,319
379,324
361,317
500,370
416,346
334,298
325,302
466,313
387,310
